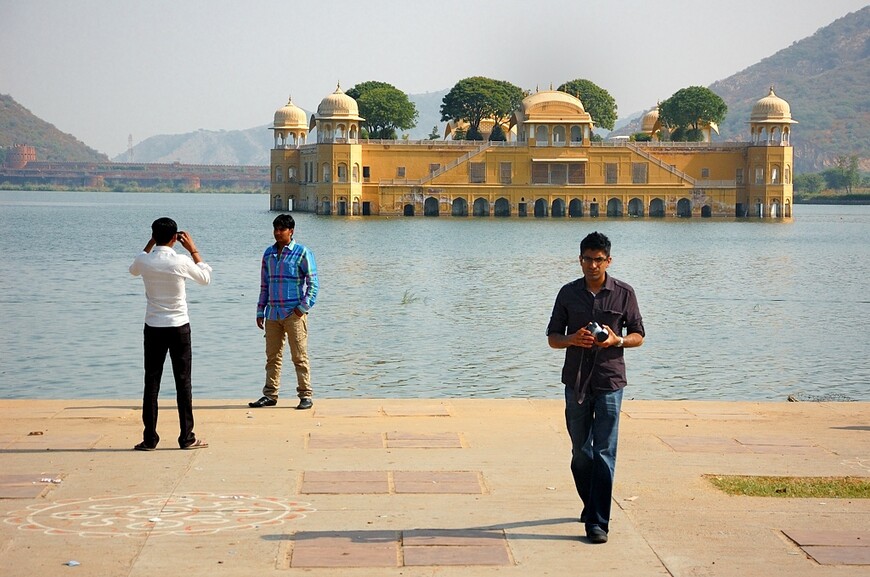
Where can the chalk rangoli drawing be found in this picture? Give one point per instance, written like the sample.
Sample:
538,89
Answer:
156,515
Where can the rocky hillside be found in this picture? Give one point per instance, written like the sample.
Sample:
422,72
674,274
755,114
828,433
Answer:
825,78
19,126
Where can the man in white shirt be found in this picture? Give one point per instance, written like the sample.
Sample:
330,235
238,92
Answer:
167,326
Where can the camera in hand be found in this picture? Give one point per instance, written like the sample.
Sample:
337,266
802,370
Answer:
179,234
599,332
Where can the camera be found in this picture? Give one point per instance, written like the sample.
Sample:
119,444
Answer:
599,332
179,234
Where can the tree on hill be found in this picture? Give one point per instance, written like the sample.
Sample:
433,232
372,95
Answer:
596,101
385,108
476,98
689,109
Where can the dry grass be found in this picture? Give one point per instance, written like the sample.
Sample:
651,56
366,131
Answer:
795,487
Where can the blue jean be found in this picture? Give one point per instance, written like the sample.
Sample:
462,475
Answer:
594,431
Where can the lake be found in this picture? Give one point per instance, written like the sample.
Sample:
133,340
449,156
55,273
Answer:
436,307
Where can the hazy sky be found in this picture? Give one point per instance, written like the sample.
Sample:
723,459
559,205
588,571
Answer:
105,69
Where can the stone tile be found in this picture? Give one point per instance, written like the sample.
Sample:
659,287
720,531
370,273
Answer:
775,441
839,555
459,482
679,414
345,549
853,538
425,537
345,441
423,441
55,442
442,555
704,445
96,412
27,485
419,409
347,410
345,482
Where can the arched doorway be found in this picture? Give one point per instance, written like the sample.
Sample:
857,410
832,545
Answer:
502,207
774,209
540,208
408,210
635,207
460,207
325,207
593,209
706,211
430,206
786,211
558,210
277,203
657,208
684,208
481,207
614,207
575,207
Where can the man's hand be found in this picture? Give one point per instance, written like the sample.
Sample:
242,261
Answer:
261,322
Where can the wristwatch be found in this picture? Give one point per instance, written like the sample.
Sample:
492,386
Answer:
620,342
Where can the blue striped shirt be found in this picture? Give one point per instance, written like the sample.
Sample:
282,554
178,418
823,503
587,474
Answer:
287,281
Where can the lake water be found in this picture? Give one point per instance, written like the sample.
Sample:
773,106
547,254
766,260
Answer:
436,307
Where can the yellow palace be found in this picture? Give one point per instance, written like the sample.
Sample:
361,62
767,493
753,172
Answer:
549,167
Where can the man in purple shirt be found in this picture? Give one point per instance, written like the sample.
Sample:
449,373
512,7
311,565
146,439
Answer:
167,326
288,290
594,374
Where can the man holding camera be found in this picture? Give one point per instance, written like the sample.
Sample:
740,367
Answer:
167,325
595,318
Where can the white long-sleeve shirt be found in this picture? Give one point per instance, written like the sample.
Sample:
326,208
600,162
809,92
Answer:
164,272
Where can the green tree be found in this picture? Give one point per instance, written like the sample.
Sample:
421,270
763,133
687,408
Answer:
475,98
385,108
690,109
809,183
497,134
596,101
434,134
844,175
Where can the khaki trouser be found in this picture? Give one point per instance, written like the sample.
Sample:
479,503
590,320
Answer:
296,330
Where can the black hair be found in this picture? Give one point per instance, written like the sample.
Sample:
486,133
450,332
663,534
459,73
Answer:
284,221
163,230
595,241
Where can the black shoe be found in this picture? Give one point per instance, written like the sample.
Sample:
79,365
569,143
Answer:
596,534
304,403
264,402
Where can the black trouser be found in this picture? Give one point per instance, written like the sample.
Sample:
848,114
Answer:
159,341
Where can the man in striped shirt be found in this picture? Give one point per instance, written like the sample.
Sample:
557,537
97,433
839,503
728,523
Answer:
288,290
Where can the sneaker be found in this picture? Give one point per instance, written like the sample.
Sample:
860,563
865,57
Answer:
263,402
304,403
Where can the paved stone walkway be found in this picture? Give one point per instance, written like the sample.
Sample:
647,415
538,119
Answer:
453,487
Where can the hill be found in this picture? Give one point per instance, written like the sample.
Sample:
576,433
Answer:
19,126
248,147
251,146
824,78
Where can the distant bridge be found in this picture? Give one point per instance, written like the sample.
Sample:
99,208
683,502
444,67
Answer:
146,175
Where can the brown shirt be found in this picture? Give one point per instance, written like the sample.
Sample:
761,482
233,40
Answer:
615,305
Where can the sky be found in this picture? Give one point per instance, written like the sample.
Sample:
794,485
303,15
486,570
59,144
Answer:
106,70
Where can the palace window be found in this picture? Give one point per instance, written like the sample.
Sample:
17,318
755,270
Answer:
576,173
400,172
477,172
434,167
505,172
367,173
705,173
639,173
611,172
342,172
738,177
759,175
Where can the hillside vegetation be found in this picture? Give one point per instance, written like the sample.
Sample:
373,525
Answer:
19,126
825,78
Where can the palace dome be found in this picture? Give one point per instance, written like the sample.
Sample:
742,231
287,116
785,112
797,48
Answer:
771,108
338,105
649,120
290,116
551,106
